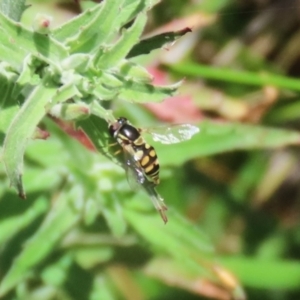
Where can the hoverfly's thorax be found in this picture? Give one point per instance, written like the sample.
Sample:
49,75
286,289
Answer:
129,132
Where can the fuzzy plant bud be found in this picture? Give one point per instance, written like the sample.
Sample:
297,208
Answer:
41,23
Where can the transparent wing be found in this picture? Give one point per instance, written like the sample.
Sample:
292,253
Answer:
134,172
173,134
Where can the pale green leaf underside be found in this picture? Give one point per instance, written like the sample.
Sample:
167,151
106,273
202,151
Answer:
98,30
21,130
23,126
69,30
121,48
13,9
16,42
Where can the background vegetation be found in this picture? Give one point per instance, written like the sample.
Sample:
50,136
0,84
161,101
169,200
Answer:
232,190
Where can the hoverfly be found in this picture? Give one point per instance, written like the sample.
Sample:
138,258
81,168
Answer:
141,161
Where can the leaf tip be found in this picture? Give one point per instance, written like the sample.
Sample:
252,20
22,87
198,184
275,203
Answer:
20,188
22,195
186,30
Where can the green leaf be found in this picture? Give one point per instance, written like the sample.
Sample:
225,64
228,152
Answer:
89,258
8,108
97,130
58,222
16,42
102,288
27,74
177,238
121,48
266,274
64,93
22,128
102,113
6,115
136,72
114,217
41,180
98,30
7,102
133,7
24,124
158,41
13,9
56,274
104,92
13,225
11,52
217,137
69,30
288,112
191,249
168,270
143,92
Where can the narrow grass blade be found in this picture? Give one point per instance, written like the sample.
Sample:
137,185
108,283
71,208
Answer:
242,77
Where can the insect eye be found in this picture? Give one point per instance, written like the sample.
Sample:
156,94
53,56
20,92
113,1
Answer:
122,120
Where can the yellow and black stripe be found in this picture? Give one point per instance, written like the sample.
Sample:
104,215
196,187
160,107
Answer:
128,135
148,161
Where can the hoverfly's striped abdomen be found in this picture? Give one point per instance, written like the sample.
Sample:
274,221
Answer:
147,159
126,134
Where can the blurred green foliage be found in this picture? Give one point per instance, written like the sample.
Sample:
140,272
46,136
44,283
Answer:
232,190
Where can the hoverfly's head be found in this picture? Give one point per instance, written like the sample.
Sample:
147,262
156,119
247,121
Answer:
116,126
